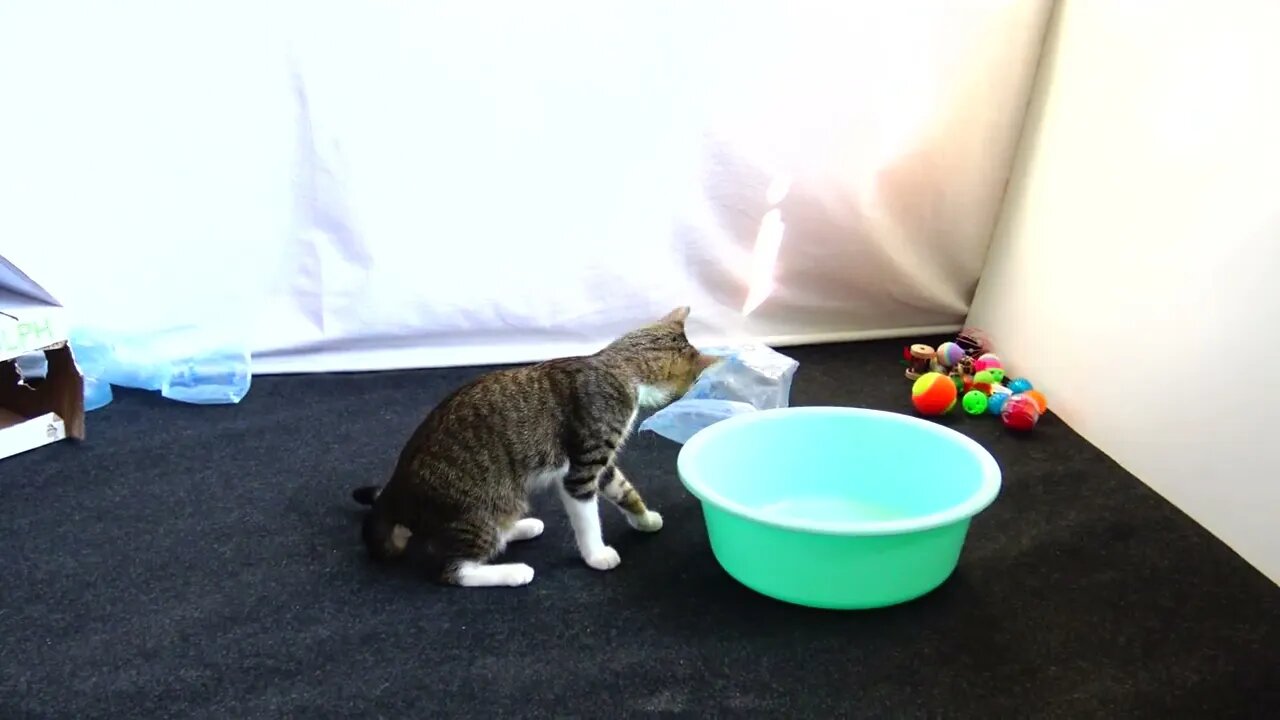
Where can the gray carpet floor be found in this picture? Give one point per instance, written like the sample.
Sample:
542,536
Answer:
204,562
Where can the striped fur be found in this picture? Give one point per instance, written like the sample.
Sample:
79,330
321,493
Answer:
464,477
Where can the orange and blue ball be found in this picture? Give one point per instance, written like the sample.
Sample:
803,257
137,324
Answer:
933,394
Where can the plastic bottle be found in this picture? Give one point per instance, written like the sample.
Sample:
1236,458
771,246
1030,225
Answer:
93,358
132,359
207,368
204,363
97,392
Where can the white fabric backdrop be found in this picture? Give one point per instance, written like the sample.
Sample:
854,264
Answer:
376,184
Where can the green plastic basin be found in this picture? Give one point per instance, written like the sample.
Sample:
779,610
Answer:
838,508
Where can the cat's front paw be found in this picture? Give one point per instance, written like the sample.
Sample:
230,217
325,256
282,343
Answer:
650,521
606,558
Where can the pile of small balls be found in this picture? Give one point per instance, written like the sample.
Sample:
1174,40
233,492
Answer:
950,374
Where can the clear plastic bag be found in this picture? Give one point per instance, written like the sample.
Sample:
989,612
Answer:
751,378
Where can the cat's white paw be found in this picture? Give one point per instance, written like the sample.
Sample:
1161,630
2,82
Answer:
650,521
606,558
473,574
516,574
525,529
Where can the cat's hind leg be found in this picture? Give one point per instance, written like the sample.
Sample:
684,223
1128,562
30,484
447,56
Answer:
469,573
467,547
619,491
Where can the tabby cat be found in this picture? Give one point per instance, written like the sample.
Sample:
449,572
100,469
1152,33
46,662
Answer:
464,478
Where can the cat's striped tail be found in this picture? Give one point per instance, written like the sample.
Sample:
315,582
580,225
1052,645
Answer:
366,495
378,530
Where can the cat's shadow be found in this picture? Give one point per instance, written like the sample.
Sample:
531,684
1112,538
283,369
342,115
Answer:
676,579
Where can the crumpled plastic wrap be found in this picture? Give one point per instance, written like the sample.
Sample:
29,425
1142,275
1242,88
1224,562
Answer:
749,379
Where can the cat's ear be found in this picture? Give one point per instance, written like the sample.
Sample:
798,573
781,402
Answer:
676,317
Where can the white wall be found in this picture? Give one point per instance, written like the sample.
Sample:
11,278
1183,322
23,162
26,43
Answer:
1133,271
366,185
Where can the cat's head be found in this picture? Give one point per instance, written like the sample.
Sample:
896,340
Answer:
661,358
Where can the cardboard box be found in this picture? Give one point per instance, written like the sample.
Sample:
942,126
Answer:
50,409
